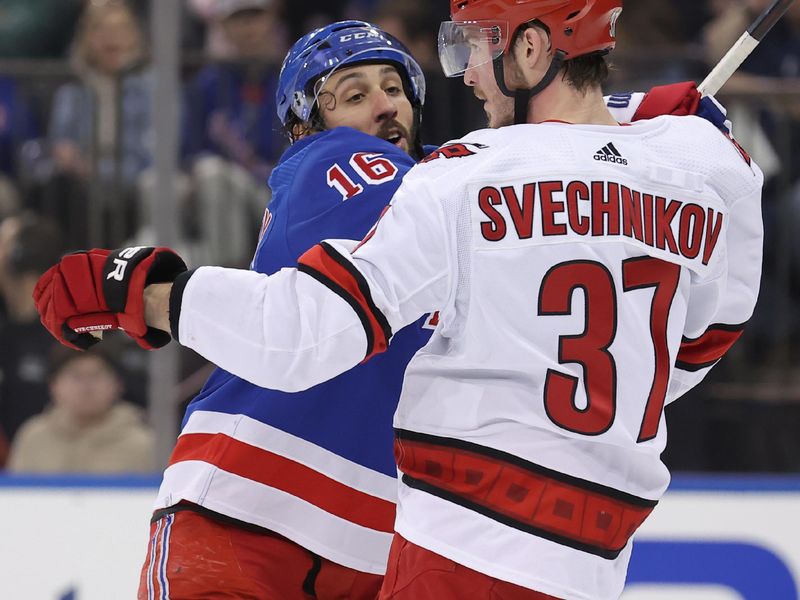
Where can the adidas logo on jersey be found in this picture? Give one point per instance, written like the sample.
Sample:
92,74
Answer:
609,153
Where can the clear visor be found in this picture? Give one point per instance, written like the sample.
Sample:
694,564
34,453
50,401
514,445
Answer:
468,44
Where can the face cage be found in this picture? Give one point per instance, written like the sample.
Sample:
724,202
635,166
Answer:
468,44
303,102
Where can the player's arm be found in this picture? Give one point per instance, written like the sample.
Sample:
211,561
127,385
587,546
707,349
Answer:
287,331
299,327
156,306
719,309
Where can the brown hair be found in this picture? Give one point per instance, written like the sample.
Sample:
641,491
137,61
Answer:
297,129
586,72
583,72
60,356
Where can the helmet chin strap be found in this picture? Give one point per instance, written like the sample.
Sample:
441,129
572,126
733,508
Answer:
523,97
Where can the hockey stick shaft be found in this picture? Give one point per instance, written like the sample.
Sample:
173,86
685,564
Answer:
743,47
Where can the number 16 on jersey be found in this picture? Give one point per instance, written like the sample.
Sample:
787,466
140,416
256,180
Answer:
369,167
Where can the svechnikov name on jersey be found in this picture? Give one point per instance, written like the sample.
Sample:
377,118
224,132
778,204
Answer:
683,228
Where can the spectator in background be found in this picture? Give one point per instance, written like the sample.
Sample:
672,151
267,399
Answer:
764,127
777,56
88,428
99,128
231,137
654,39
218,45
28,246
18,125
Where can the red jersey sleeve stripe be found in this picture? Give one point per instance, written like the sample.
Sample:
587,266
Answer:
282,473
704,351
335,272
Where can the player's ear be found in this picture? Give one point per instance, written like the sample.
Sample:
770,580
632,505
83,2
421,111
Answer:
533,45
532,53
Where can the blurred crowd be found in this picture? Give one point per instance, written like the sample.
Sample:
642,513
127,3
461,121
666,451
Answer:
76,171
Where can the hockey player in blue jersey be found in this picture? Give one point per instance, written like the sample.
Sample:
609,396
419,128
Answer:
271,496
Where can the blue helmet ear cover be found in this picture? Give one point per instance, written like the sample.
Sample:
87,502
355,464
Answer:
325,50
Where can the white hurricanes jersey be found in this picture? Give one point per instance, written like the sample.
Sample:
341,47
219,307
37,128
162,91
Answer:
584,276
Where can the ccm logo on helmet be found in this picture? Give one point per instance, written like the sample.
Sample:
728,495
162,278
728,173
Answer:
359,36
121,263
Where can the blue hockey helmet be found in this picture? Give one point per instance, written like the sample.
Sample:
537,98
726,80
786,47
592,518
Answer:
319,53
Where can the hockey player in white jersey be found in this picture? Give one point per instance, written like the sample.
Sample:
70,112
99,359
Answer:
586,274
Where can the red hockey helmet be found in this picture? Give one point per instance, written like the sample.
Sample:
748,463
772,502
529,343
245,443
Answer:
482,30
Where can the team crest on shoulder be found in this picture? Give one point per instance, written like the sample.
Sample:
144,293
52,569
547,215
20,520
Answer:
454,151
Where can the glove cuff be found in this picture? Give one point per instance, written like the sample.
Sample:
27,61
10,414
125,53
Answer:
175,301
167,265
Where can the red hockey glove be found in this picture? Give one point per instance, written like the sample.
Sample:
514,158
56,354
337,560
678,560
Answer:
104,289
679,99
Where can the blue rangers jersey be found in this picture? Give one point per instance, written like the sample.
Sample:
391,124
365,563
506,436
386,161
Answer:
315,466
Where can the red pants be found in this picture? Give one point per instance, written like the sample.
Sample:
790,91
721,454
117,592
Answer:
194,557
415,573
